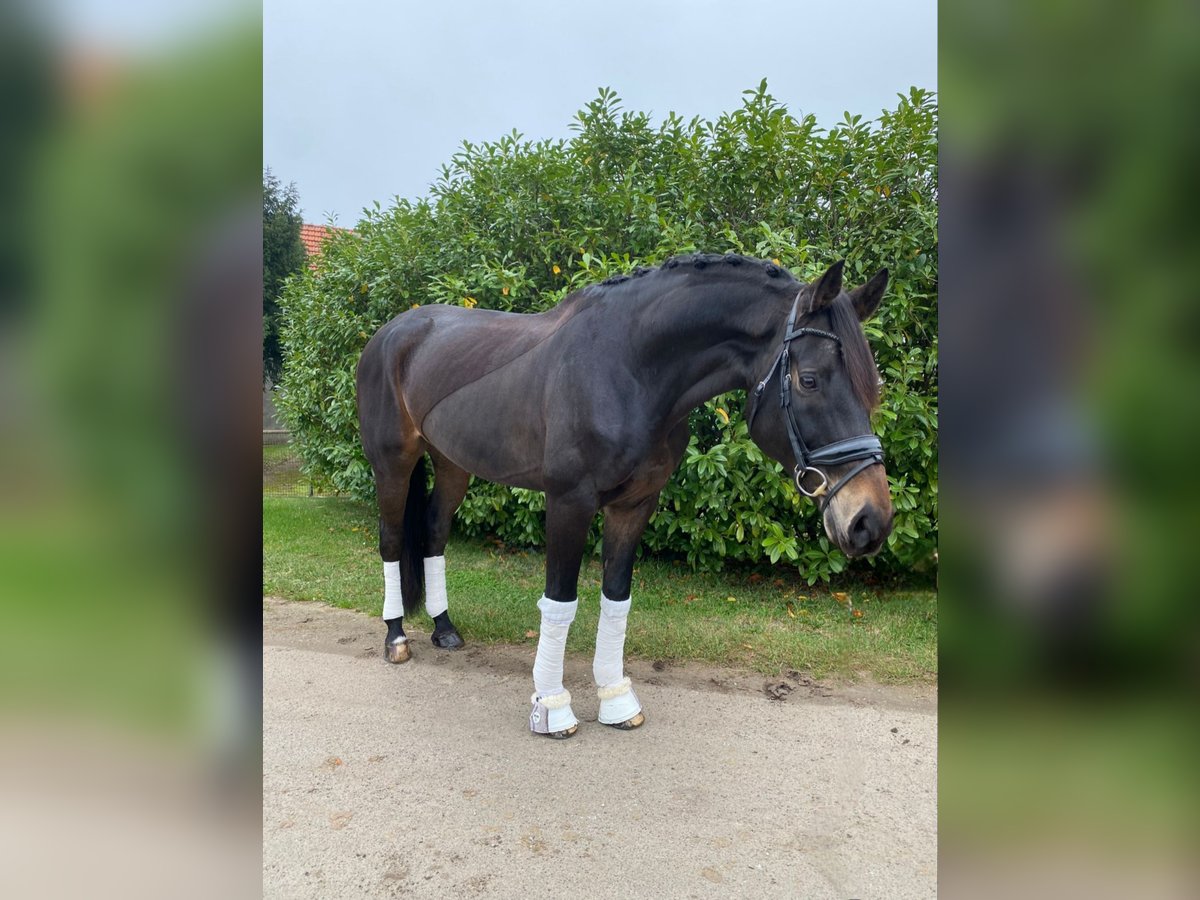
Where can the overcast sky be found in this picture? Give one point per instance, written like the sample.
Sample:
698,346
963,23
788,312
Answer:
364,100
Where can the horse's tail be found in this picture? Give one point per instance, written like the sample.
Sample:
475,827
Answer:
412,554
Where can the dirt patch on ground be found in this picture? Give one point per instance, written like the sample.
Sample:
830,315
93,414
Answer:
326,629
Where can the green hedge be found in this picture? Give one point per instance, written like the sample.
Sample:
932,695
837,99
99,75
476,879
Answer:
517,225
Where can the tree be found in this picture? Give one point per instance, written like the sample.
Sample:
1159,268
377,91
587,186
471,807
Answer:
283,255
517,225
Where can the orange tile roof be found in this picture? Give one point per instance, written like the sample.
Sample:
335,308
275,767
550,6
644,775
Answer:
313,236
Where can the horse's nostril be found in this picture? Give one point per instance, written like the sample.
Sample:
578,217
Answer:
861,526
867,531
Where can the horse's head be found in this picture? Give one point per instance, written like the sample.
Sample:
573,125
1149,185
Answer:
812,410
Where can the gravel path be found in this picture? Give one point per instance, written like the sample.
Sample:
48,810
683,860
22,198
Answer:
422,780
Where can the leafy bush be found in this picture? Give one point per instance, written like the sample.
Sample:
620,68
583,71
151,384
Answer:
517,225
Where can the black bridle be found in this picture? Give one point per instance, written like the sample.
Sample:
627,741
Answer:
865,448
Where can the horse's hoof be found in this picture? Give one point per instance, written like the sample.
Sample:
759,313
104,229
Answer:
397,653
550,714
448,640
619,706
629,724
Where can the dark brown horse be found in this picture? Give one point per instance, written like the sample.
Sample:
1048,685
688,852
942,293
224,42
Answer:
589,402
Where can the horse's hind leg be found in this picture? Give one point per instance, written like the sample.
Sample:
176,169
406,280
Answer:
400,488
449,487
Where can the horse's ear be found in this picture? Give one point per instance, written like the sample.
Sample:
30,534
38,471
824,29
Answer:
826,288
866,297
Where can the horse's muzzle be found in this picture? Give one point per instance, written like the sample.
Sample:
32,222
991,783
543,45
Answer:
868,530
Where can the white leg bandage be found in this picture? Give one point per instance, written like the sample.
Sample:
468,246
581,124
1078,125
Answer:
618,702
435,586
552,645
550,696
608,665
393,602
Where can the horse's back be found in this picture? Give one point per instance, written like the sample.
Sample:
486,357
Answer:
427,354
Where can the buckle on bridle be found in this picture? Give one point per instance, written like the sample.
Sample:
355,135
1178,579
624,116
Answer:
820,490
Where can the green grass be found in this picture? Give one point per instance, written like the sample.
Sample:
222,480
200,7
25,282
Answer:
325,549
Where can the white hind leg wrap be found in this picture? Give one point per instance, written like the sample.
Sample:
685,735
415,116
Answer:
618,703
548,664
393,601
435,586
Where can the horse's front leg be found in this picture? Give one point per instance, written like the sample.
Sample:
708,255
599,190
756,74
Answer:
568,517
623,527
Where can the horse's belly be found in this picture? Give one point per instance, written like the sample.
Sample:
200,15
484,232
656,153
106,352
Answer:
492,430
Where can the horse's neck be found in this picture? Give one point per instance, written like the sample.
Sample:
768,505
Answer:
702,343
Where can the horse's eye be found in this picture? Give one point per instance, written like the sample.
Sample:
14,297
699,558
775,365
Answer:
808,382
